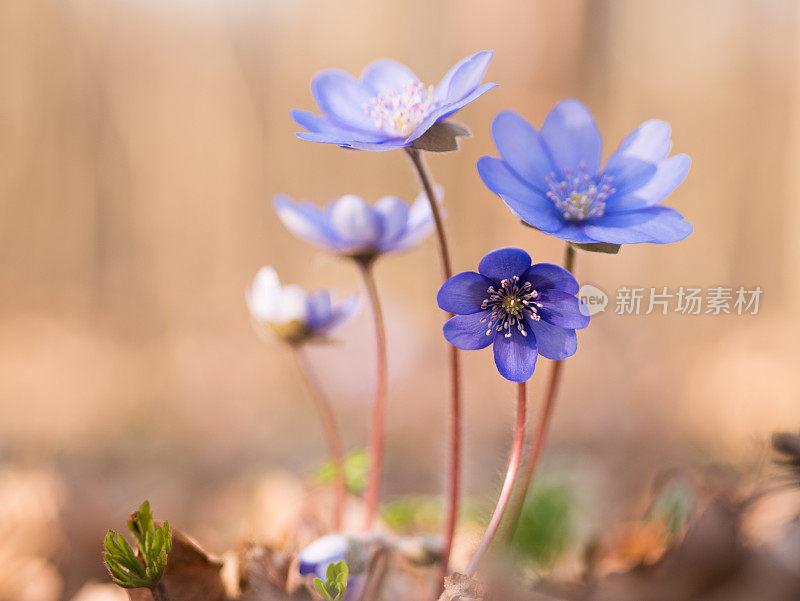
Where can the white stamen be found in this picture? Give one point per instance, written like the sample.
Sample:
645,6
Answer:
401,112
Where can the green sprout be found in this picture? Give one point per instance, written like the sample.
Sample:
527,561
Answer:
413,513
335,584
144,568
355,471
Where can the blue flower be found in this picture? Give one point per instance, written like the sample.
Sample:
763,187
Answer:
317,556
387,107
349,226
523,310
293,314
333,548
552,180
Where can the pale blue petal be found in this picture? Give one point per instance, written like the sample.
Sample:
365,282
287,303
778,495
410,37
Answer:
318,309
462,78
420,221
668,175
573,232
342,97
648,143
523,200
659,225
522,149
386,74
338,133
385,146
339,313
314,559
356,225
393,213
572,137
304,220
445,111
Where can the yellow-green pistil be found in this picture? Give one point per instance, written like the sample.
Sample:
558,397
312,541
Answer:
510,304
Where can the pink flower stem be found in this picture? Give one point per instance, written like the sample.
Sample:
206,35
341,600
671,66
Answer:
508,485
333,437
455,436
376,443
540,433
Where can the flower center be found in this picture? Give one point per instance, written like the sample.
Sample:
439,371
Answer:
509,305
400,112
579,196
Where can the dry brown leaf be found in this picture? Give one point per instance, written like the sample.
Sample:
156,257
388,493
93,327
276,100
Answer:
265,575
460,587
191,574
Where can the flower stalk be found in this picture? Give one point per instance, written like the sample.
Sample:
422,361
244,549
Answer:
376,443
333,437
454,470
540,433
508,485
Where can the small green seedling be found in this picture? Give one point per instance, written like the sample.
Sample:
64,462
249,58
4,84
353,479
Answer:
335,585
355,471
145,568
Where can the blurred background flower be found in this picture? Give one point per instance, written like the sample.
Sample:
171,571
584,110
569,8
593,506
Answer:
293,314
351,227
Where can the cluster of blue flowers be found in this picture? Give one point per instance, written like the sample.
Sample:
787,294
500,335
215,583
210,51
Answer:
552,179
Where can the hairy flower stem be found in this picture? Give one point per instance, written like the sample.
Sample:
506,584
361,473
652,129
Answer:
376,442
508,485
454,475
540,433
333,438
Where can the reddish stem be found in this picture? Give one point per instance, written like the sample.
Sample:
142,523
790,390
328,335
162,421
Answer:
333,437
508,486
376,443
540,434
454,470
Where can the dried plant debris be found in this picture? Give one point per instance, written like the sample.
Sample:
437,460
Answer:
787,445
711,563
460,587
191,574
264,574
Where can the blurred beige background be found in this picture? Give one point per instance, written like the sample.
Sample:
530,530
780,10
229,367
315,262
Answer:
141,143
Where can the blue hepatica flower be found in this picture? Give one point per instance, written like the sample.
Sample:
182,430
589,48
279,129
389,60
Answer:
317,556
524,310
387,107
333,548
350,226
552,179
293,314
